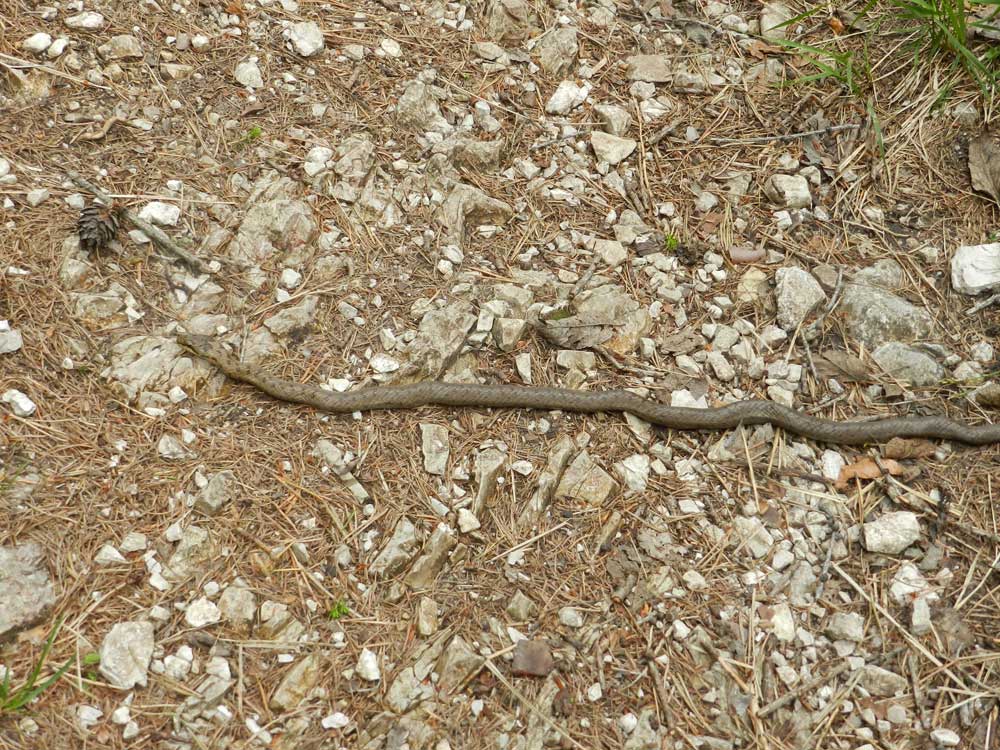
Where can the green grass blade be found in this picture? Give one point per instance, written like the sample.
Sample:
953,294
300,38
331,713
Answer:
25,696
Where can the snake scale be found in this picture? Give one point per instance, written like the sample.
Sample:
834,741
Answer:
750,412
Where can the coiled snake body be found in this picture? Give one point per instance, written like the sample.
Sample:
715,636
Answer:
751,412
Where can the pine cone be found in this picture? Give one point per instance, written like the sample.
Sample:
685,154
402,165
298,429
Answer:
97,226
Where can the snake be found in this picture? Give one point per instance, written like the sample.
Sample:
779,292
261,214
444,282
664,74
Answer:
511,396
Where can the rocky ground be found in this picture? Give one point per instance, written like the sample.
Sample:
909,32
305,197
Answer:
592,195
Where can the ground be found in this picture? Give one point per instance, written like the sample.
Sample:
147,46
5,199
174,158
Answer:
591,195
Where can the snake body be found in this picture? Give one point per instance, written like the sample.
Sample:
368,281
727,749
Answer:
750,412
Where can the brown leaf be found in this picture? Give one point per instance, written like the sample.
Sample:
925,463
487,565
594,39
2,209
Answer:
984,165
866,468
904,448
835,24
842,366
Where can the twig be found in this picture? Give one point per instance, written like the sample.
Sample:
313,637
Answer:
662,133
984,304
154,233
805,687
787,136
12,61
102,131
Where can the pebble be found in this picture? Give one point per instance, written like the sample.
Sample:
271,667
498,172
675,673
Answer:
570,617
367,667
20,404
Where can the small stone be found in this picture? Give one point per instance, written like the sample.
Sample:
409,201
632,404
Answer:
237,605
611,252
248,74
200,42
170,447
783,623
427,616
88,20
467,521
610,148
754,535
36,43
216,494
846,626
336,720
10,339
160,213
20,404
945,737
532,659
307,38
908,364
298,683
882,682
121,47
650,68
614,119
133,542
520,608
920,618
367,667
125,654
434,444
773,16
789,191
202,612
595,693
567,96
26,593
108,555
891,533
798,295
571,617
507,332
976,268
36,197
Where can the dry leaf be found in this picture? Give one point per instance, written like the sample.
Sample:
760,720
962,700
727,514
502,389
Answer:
866,468
906,448
835,24
984,166
842,366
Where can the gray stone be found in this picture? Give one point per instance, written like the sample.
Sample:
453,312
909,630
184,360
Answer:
752,534
772,16
248,74
10,339
882,682
976,268
275,223
567,96
306,37
467,521
201,612
846,626
783,623
36,197
193,550
434,445
297,684
610,148
648,731
891,533
213,498
160,213
88,21
296,318
557,50
798,295
788,191
875,315
651,68
521,608
611,252
945,737
418,109
507,332
489,463
20,404
36,43
121,47
125,654
427,616
456,664
237,605
467,207
614,119
509,21
907,364
585,480
26,592
571,617
399,550
407,690
433,559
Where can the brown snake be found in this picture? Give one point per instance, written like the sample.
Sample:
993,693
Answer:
529,397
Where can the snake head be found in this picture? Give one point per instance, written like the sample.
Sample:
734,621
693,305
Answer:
206,347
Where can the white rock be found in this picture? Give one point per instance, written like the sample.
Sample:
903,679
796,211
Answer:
891,533
89,20
634,471
120,715
467,521
290,278
10,339
367,667
336,720
306,37
21,405
945,737
37,197
87,716
783,623
201,612
160,213
570,617
789,191
976,268
391,48
125,654
567,96
57,48
594,692
611,148
108,555
170,447
248,74
200,42
383,363
37,43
